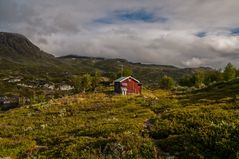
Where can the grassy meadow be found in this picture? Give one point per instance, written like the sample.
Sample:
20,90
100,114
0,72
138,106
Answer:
158,124
80,126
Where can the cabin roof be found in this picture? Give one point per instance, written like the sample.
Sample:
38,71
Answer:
124,78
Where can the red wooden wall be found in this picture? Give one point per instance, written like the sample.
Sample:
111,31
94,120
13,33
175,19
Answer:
131,85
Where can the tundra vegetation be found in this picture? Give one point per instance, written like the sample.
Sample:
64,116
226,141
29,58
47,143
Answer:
158,124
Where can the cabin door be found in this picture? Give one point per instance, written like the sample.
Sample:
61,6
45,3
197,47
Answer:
124,91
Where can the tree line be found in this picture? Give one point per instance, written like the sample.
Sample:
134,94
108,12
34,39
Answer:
90,82
202,78
86,82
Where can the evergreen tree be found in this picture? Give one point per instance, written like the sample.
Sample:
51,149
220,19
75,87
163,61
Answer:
125,72
213,76
76,82
167,82
229,72
198,79
96,80
112,76
186,80
86,82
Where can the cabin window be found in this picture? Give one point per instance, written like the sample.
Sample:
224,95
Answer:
124,84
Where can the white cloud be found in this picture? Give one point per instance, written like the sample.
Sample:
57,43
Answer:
68,27
194,62
223,43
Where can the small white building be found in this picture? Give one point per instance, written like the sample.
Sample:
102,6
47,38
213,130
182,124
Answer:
65,87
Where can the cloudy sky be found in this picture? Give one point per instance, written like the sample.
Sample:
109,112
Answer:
184,33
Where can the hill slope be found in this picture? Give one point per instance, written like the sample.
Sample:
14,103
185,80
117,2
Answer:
17,47
82,126
218,92
97,125
149,74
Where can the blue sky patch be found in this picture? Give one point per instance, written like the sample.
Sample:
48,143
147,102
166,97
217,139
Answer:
104,20
201,34
131,16
235,31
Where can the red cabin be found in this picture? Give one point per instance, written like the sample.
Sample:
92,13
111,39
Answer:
127,85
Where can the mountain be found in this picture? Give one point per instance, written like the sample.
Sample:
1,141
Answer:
18,46
18,55
26,70
18,49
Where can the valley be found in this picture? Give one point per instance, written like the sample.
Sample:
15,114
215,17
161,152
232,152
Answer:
110,79
66,107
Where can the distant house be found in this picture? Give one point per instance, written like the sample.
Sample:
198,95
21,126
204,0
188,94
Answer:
7,103
127,85
14,80
65,87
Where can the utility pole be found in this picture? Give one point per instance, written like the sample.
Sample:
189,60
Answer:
122,70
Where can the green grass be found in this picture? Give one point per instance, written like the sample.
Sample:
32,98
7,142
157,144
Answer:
197,125
158,124
215,93
86,126
198,132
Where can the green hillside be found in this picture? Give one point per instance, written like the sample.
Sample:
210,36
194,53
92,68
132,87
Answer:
17,49
149,74
158,124
20,57
225,91
80,126
198,124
